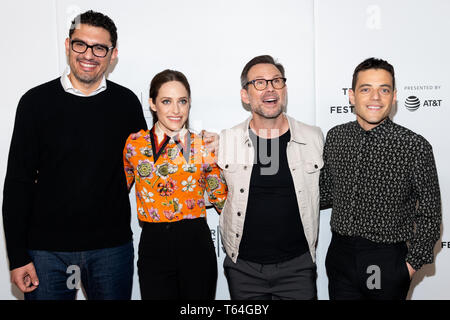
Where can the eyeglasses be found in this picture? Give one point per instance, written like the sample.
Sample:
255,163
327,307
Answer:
261,84
98,50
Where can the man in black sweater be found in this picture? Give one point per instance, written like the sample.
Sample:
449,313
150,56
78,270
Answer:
66,210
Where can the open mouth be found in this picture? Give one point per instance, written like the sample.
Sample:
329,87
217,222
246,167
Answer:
87,66
174,118
375,108
270,100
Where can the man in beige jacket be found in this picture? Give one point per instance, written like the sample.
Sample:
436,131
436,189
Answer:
271,164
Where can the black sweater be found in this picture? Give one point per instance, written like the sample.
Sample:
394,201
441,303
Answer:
65,187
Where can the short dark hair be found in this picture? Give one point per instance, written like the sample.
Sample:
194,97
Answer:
258,60
163,77
373,63
95,19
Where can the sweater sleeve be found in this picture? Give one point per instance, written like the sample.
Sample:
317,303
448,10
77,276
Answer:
138,119
20,182
137,123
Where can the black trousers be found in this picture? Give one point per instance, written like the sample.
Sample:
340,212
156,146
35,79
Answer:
361,269
177,260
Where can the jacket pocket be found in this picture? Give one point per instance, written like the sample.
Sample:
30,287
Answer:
311,174
229,171
313,166
228,167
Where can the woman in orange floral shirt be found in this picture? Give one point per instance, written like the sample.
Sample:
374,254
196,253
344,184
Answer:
172,170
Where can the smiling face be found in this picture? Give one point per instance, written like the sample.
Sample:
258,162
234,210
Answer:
87,70
171,106
268,103
373,97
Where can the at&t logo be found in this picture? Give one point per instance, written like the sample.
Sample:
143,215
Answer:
412,103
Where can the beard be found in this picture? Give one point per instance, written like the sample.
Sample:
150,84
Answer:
259,110
84,77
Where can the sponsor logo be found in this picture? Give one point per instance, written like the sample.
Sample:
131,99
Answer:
412,103
422,97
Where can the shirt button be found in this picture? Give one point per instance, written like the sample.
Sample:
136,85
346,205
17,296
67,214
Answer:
249,145
316,166
242,190
239,214
245,167
232,255
237,235
226,166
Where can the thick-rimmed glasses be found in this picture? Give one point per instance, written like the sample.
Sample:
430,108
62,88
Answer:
261,84
98,50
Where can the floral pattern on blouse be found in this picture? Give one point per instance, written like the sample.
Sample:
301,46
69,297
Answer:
172,189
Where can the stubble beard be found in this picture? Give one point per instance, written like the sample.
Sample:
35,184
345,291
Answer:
259,111
86,78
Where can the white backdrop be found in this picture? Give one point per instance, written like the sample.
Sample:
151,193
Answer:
319,43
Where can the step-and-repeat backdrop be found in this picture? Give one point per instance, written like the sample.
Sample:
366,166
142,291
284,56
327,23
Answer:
318,41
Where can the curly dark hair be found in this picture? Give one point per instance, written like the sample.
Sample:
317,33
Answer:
95,19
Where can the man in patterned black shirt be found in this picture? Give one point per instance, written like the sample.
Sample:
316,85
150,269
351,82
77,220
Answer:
380,180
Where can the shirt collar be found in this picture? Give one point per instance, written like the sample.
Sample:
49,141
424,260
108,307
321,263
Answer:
69,88
160,134
383,127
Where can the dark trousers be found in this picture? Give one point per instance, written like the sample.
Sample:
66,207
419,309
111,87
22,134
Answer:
361,269
177,260
294,279
105,274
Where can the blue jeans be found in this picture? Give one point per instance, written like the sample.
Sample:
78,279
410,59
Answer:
105,274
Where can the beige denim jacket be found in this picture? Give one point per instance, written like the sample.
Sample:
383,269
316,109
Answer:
235,158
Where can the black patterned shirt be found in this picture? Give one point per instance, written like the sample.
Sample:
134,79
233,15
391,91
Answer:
382,185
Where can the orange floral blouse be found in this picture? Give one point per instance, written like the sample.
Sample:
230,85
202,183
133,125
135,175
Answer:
172,176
